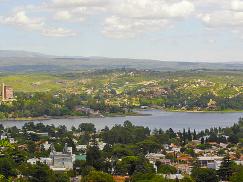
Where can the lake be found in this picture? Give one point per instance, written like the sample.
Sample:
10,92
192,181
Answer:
157,119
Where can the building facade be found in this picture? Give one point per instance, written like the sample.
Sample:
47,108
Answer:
7,93
62,160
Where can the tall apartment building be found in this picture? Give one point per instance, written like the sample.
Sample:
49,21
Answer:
7,93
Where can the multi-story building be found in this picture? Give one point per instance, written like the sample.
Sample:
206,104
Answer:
7,93
210,161
62,160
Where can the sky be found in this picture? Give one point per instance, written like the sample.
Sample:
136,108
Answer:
168,30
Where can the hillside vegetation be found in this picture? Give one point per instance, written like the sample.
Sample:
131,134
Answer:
121,90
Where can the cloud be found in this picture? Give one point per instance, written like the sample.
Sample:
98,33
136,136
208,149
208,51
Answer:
63,15
73,10
117,27
21,20
123,18
154,9
75,15
77,3
224,15
237,5
58,32
229,16
134,17
126,18
61,10
222,19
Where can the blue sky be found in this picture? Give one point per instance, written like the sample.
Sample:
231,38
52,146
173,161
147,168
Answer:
171,30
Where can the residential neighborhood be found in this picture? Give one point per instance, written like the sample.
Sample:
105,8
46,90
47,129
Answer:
167,154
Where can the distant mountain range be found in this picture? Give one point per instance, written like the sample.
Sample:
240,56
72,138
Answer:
22,61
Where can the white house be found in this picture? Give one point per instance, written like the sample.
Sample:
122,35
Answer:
211,162
33,161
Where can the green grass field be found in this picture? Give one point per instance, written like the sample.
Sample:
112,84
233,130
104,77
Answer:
33,82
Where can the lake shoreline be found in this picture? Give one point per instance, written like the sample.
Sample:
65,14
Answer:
46,118
137,112
151,119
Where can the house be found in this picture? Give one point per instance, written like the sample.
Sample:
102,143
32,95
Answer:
46,145
223,145
198,151
165,161
239,162
214,165
81,147
197,142
144,107
176,149
173,176
101,145
185,158
206,161
3,137
33,161
47,161
11,140
155,156
184,168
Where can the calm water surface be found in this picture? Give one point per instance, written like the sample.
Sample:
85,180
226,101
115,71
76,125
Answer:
158,119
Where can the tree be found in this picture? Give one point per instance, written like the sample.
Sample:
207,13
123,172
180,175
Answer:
18,157
166,169
5,143
2,177
238,175
97,176
94,157
38,172
189,135
233,139
187,179
149,146
171,133
62,177
133,164
87,127
194,135
79,166
120,151
226,169
7,167
2,115
204,175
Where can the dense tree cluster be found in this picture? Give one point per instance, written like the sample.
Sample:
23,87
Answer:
51,104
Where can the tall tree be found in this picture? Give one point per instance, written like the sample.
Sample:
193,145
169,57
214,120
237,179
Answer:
226,170
204,175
